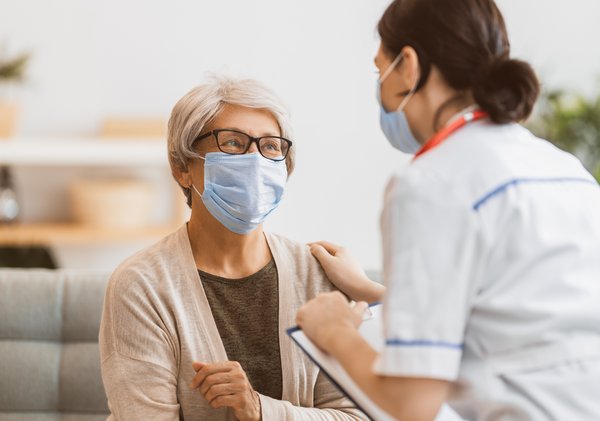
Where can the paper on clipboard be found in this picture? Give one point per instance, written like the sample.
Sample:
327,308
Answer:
372,330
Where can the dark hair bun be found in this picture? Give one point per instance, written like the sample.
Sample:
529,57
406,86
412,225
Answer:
506,89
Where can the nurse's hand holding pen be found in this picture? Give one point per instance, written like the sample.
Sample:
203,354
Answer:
327,316
344,271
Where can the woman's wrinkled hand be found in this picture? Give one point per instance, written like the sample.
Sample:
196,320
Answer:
344,271
328,315
225,384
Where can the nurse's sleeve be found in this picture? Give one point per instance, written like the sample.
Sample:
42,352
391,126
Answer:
431,246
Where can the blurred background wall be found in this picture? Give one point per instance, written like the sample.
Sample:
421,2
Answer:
136,58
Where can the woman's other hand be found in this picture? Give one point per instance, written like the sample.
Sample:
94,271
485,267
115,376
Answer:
344,271
327,316
225,384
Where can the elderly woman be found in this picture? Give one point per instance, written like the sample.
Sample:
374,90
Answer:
194,326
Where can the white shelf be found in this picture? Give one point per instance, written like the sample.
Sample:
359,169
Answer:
77,234
84,151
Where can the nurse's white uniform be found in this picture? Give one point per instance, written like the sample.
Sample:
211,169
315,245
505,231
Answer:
492,263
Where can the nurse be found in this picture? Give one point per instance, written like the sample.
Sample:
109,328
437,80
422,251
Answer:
491,237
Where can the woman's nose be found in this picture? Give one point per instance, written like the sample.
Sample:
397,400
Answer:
253,148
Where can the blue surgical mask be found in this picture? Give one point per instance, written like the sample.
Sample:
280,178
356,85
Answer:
394,124
240,191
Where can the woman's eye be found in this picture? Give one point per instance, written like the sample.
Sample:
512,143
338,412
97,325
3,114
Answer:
272,146
232,142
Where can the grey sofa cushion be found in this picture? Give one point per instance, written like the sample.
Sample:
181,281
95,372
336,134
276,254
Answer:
50,416
49,358
30,375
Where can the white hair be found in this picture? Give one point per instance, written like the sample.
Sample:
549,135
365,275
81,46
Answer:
200,106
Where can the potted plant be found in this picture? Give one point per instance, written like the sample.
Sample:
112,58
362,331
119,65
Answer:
12,71
572,122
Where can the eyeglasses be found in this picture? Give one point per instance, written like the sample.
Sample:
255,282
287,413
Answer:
234,142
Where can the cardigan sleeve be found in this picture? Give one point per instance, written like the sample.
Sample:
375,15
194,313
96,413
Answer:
329,405
139,390
138,361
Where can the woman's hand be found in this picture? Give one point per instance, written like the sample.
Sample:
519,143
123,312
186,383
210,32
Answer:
344,271
327,316
225,384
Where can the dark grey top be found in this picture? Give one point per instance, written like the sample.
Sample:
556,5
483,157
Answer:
246,312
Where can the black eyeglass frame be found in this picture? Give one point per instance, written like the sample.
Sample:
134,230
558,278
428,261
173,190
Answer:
256,140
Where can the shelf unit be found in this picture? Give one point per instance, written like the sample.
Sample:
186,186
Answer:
92,152
75,234
82,151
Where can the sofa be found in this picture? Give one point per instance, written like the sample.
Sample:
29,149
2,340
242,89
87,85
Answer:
49,356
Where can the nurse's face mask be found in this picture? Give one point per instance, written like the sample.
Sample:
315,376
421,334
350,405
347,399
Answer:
242,189
394,123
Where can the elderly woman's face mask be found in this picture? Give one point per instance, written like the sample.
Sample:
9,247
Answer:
241,191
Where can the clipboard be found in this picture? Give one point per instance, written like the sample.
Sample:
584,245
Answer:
372,331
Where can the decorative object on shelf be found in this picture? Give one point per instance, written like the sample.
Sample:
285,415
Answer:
123,204
12,71
27,257
117,127
572,122
9,206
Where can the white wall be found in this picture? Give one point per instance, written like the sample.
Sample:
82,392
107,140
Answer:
559,38
137,57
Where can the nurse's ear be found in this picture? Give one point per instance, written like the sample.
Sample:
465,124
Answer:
409,68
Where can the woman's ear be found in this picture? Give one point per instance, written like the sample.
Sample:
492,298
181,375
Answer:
410,69
182,176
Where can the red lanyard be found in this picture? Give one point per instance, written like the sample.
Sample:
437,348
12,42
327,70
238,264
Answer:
443,134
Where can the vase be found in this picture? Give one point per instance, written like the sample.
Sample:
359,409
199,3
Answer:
8,119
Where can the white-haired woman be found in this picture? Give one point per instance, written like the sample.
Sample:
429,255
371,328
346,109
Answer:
194,326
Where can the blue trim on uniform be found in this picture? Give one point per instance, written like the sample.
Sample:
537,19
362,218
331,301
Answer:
421,342
516,181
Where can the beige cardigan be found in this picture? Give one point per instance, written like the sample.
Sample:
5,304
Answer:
157,320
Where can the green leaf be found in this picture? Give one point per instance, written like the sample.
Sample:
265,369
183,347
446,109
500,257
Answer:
571,122
14,69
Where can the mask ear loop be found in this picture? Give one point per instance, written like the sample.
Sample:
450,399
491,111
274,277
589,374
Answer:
390,68
196,190
407,94
192,184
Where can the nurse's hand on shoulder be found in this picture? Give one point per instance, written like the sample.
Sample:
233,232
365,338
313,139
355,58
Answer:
344,271
225,384
327,316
